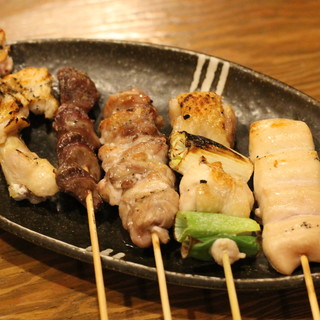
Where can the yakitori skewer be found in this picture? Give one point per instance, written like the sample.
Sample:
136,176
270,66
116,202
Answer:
214,176
287,189
79,170
137,177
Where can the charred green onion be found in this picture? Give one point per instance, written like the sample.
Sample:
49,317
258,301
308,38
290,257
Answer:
186,149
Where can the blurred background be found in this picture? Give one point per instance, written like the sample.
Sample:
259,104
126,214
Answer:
275,37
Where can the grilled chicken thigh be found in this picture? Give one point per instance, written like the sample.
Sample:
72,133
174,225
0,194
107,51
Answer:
287,189
134,158
206,187
27,175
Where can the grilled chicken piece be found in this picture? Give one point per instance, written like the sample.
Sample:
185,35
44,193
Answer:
6,62
38,181
287,189
33,87
13,115
134,158
203,114
206,187
28,89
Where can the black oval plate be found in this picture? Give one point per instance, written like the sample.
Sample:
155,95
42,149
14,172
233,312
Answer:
162,72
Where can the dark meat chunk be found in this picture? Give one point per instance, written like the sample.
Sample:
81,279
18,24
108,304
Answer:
77,88
71,138
80,155
73,119
78,182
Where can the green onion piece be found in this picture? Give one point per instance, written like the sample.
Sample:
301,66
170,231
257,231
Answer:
205,224
200,248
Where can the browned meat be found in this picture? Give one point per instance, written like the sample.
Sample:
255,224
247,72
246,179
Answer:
77,88
134,158
78,182
79,169
130,99
129,124
70,118
203,114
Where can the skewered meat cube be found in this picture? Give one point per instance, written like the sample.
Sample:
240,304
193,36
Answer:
203,114
134,159
206,187
287,189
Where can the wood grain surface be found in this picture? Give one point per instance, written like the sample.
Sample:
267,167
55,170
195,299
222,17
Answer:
278,38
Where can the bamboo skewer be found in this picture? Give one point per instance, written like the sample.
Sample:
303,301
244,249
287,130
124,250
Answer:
233,299
161,277
310,288
96,258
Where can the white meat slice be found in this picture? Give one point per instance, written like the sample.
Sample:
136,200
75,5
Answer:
271,136
286,167
208,188
284,242
27,175
285,200
287,189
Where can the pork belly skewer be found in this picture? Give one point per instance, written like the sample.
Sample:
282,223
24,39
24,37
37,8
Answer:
79,170
137,178
287,189
28,176
211,181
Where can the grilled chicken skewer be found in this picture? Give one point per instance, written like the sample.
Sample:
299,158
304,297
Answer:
134,157
28,176
287,189
79,170
214,176
203,126
137,178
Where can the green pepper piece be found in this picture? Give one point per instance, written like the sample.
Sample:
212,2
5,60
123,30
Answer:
205,224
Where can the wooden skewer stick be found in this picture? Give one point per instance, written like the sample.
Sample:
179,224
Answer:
310,288
96,258
231,287
161,277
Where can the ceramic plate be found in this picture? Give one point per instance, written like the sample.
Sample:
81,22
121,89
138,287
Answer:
162,72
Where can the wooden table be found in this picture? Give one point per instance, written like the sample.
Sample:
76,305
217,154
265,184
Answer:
278,38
